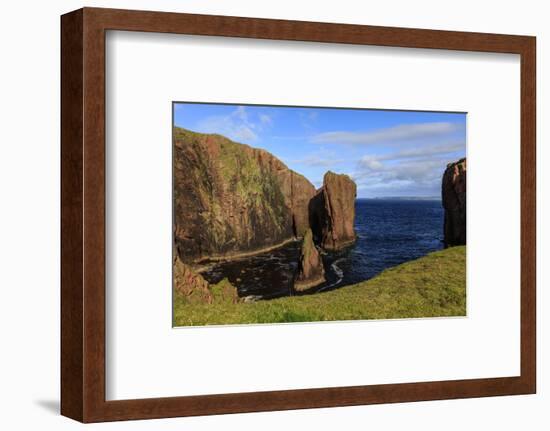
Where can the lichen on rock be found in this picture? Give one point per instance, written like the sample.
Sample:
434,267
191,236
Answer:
231,199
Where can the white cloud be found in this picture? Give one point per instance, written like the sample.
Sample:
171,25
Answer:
401,133
236,125
317,161
424,152
322,158
266,119
312,115
414,177
435,150
308,118
370,163
416,171
243,133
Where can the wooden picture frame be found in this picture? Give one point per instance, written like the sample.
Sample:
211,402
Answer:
83,335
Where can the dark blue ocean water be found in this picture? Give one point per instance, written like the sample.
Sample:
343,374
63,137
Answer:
389,232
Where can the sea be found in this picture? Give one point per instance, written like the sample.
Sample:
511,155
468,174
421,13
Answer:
389,232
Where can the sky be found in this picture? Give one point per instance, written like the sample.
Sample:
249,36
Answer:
387,153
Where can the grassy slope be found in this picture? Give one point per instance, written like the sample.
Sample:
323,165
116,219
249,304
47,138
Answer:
434,285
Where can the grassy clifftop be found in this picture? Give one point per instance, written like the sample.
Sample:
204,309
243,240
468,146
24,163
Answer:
434,285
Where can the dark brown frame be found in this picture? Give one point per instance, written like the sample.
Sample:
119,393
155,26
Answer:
83,214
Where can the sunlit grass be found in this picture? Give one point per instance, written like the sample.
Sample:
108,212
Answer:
432,286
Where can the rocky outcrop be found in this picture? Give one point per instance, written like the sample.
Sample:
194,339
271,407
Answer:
297,191
196,290
231,199
190,284
332,212
311,272
302,191
453,191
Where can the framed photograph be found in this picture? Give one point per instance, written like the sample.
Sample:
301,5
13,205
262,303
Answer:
328,198
266,215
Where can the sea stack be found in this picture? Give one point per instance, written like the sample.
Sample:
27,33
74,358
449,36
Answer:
296,190
311,272
453,194
332,212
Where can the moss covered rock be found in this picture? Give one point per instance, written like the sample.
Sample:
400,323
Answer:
191,285
231,199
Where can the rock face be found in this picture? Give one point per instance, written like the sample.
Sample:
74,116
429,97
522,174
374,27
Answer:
231,199
310,271
453,191
191,285
302,191
196,290
332,212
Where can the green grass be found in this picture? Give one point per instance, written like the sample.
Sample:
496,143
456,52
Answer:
434,285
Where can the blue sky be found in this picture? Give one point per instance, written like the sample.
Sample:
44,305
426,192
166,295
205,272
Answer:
387,153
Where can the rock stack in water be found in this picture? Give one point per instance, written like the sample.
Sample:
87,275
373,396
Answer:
332,212
232,200
311,272
453,193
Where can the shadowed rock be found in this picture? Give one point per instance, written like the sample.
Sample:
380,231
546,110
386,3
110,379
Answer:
196,290
332,212
302,191
453,191
190,284
311,272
